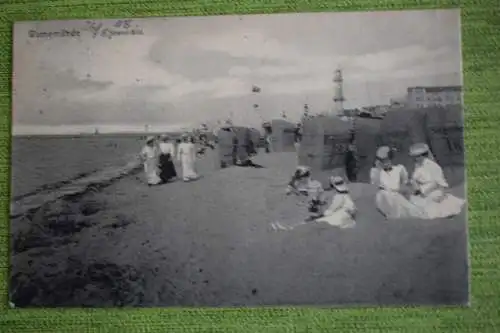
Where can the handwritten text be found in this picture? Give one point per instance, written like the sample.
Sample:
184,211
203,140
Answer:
95,29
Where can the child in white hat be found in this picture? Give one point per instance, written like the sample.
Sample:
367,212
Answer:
342,211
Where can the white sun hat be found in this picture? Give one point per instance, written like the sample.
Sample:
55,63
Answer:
418,149
339,184
383,152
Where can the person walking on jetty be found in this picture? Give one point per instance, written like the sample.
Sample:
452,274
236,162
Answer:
186,154
430,186
391,181
166,164
149,158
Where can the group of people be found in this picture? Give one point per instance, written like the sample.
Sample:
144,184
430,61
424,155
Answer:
424,195
158,156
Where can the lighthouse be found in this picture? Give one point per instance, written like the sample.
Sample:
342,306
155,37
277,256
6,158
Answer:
338,97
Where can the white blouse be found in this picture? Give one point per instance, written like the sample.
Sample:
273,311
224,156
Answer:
341,201
427,175
167,148
391,180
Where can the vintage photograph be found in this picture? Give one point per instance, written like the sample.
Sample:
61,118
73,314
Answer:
306,159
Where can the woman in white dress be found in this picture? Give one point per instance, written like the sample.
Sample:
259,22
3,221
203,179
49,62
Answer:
430,186
186,153
149,158
392,181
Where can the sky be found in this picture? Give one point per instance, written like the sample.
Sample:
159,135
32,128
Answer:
185,71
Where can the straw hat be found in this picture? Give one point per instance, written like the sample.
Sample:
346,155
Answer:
339,184
418,149
383,153
150,139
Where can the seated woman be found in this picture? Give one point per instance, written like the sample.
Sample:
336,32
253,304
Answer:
430,186
342,210
391,181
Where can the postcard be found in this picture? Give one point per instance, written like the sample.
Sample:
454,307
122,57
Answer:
306,159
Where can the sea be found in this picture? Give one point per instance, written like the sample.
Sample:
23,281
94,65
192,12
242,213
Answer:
38,161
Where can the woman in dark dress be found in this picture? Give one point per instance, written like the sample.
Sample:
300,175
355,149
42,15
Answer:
351,160
166,164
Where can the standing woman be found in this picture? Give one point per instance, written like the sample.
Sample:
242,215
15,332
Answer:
186,154
297,136
167,153
149,158
430,187
351,159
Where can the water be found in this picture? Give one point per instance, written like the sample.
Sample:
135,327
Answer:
37,161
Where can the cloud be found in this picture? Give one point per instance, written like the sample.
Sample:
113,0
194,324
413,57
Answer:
183,67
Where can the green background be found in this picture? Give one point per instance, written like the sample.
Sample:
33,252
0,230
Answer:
481,64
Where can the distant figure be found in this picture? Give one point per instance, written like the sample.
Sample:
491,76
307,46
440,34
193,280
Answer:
342,210
166,164
186,153
351,160
391,181
297,134
149,158
268,143
430,186
236,142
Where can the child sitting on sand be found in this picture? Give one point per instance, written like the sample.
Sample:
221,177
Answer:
303,184
341,212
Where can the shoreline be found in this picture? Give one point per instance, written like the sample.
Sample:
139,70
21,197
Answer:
79,185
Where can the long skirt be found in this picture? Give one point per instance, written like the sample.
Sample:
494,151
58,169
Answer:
439,204
151,172
167,168
188,169
339,218
394,205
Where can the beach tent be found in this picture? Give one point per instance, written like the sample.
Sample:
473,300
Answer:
235,144
444,127
325,140
255,136
366,135
282,135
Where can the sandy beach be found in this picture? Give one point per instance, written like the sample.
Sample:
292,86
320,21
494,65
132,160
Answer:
209,243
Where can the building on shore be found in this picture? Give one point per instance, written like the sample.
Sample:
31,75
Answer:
398,103
424,97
